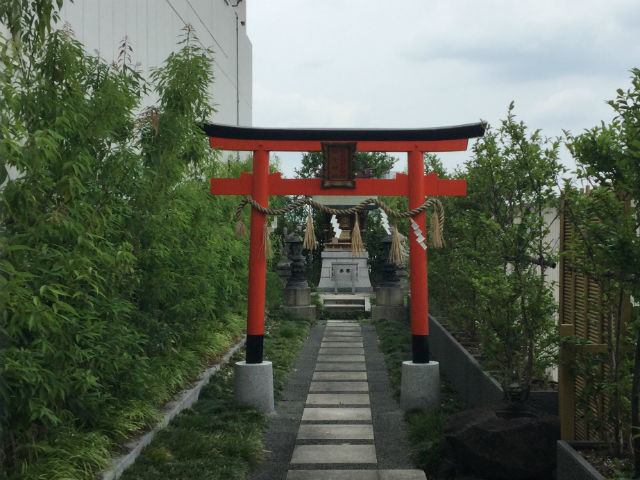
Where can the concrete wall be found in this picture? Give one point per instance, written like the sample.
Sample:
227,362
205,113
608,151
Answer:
153,28
572,466
464,372
476,387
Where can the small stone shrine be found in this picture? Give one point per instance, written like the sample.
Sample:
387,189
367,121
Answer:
342,269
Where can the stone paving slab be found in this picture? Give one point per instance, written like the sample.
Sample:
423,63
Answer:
341,345
343,322
340,333
341,351
311,414
338,399
356,475
339,387
342,328
335,432
333,338
340,367
338,376
340,358
334,454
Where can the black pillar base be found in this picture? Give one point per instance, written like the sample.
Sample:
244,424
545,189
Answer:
254,348
420,344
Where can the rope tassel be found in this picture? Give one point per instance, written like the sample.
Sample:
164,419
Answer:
395,253
241,229
436,239
357,246
266,239
309,242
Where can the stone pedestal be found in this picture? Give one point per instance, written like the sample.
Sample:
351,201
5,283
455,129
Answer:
253,385
389,296
296,296
389,304
297,302
420,386
341,272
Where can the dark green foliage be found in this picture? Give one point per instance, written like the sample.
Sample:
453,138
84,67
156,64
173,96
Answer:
216,439
120,275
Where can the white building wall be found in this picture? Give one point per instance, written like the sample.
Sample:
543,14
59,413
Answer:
552,219
153,28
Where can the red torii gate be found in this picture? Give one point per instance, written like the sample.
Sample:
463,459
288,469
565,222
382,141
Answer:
416,185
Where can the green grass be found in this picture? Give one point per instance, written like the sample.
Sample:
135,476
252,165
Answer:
217,439
425,428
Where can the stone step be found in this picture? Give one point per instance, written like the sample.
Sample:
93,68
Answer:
336,332
344,301
328,454
338,399
339,376
344,308
358,414
335,432
341,367
341,339
356,475
341,386
340,358
347,345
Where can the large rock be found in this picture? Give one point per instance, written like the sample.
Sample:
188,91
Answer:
503,444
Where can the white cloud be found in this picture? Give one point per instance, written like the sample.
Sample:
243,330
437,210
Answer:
374,63
294,109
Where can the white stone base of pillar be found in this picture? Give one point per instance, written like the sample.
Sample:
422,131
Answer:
253,385
420,387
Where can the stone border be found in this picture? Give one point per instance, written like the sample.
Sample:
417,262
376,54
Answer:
181,401
476,386
573,466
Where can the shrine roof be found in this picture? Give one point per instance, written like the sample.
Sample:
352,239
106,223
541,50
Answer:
456,132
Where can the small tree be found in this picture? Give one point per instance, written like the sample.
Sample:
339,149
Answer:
511,180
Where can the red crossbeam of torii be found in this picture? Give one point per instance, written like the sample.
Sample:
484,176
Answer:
416,185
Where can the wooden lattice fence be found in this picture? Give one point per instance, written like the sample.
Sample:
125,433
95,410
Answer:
584,320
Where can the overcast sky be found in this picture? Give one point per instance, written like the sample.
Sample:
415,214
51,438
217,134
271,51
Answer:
430,63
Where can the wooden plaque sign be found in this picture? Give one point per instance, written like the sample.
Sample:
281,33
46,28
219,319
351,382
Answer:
338,165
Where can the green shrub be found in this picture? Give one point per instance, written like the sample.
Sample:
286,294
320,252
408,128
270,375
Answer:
120,275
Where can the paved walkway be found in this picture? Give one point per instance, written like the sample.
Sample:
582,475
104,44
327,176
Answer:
337,419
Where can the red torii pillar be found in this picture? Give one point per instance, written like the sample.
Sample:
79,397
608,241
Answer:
416,185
